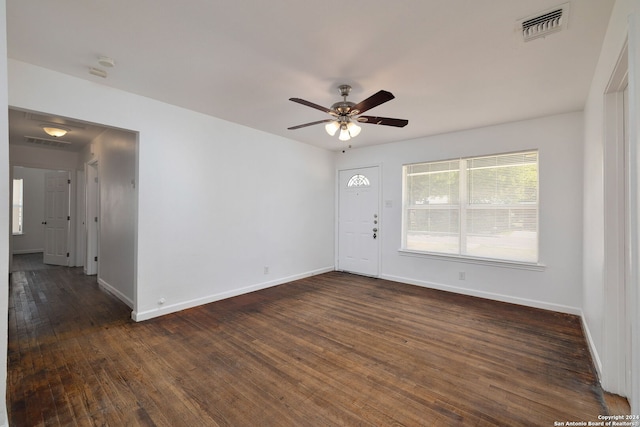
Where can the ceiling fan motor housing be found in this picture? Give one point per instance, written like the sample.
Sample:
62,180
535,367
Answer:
344,108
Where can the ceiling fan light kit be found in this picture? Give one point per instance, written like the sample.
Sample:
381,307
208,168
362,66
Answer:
346,114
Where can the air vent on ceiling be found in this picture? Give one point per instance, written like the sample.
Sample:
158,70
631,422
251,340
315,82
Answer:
542,24
54,120
55,143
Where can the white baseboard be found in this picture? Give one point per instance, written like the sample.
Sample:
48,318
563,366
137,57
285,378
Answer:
115,292
139,316
487,295
595,356
27,251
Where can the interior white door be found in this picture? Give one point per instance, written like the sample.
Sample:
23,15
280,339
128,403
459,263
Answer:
92,226
359,221
56,222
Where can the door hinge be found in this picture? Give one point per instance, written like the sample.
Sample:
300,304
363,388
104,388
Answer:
95,219
68,218
68,181
95,259
67,254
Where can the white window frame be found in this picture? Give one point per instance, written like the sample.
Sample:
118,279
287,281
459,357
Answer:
464,207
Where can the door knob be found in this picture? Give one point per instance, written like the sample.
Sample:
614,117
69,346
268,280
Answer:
44,222
375,229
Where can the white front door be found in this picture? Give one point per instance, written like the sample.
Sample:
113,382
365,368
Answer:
56,222
359,221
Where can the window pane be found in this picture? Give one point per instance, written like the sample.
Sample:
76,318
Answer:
502,217
433,183
434,230
17,219
503,233
358,181
433,215
503,180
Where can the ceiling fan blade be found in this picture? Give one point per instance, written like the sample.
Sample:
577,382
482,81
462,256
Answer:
373,101
311,104
310,124
386,121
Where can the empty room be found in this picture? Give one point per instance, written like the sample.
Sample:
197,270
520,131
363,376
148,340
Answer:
291,213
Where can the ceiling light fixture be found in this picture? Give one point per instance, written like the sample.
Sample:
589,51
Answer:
55,131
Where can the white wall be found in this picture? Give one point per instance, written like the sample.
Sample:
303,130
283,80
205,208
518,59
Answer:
115,152
558,139
43,158
4,214
596,290
217,202
32,239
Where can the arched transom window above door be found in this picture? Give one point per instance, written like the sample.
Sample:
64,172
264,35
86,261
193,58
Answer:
358,181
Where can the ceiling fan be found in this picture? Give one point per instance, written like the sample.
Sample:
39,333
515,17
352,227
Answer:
346,114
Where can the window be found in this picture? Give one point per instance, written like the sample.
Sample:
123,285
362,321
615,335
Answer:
17,220
483,207
358,181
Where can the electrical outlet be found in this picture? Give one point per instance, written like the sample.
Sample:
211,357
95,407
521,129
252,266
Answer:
462,275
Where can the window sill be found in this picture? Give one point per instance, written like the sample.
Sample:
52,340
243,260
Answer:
17,234
474,260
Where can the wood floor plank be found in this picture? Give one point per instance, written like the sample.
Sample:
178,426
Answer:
333,349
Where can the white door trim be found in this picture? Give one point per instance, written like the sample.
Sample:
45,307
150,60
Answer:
92,211
616,348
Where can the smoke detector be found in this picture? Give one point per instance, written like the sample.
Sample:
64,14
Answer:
544,23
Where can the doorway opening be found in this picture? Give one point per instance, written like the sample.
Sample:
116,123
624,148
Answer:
41,214
106,249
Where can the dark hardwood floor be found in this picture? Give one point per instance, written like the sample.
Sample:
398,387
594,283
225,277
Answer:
329,350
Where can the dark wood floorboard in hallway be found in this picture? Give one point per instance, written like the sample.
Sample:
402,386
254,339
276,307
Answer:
330,350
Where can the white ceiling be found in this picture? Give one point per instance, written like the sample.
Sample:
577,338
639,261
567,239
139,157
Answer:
452,65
